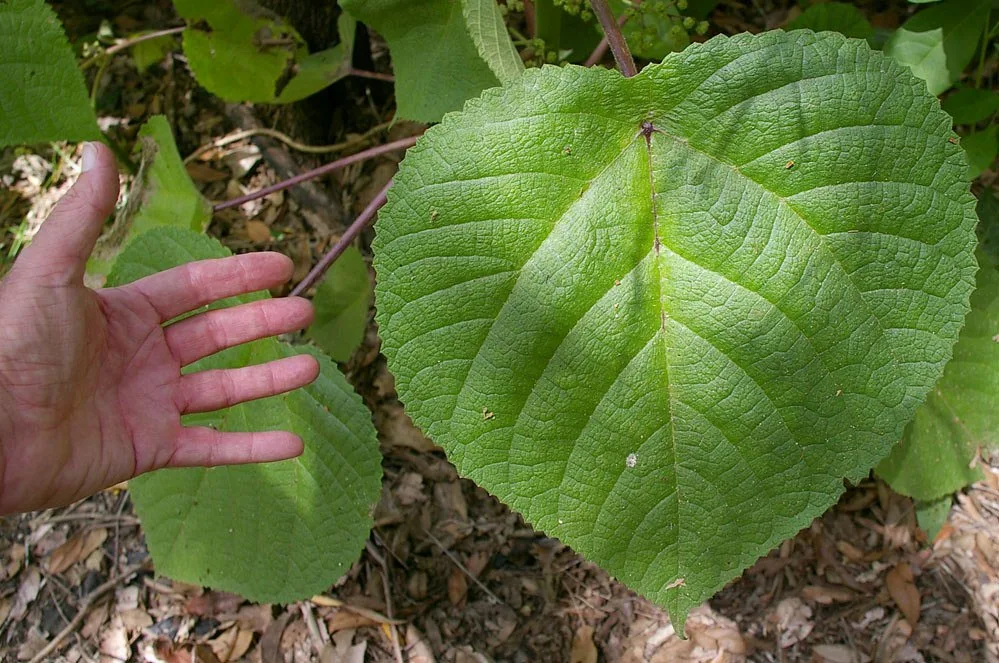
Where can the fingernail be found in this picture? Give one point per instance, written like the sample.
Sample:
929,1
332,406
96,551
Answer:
89,156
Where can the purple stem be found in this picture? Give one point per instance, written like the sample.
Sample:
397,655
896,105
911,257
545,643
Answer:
360,223
618,46
402,144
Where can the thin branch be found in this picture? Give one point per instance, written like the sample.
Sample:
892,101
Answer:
84,610
374,75
128,43
360,223
402,144
598,53
618,46
287,140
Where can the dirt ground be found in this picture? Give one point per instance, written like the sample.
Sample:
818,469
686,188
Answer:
448,574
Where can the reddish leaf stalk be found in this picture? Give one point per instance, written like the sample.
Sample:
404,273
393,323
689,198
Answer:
598,53
402,144
618,46
360,223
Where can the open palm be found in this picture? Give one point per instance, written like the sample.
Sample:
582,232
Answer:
91,390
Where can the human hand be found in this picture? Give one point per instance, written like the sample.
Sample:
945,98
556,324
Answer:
91,391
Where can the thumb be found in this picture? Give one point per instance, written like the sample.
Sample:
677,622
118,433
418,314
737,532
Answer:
58,253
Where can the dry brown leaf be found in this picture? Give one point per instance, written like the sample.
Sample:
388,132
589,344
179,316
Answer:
33,644
27,592
583,649
834,654
202,173
95,620
5,605
77,548
270,642
826,595
244,640
211,604
255,617
258,232
345,620
417,649
114,642
135,620
224,644
792,620
903,591
457,587
850,551
410,489
186,654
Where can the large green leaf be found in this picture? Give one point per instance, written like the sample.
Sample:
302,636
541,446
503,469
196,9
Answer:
981,148
961,415
42,95
437,66
242,52
663,317
342,301
488,30
939,41
162,194
272,532
836,16
971,105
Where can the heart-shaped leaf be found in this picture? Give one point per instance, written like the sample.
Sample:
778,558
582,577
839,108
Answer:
663,317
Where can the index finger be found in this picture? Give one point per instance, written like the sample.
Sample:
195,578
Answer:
188,287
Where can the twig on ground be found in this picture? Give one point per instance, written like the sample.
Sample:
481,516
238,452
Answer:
287,140
374,75
461,567
85,605
402,144
359,224
396,649
310,621
373,615
322,213
618,46
122,44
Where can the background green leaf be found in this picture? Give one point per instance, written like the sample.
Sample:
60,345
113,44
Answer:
274,532
931,516
161,194
835,16
971,105
563,32
147,53
342,301
437,66
241,51
488,30
669,34
961,414
939,41
42,97
981,148
669,351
